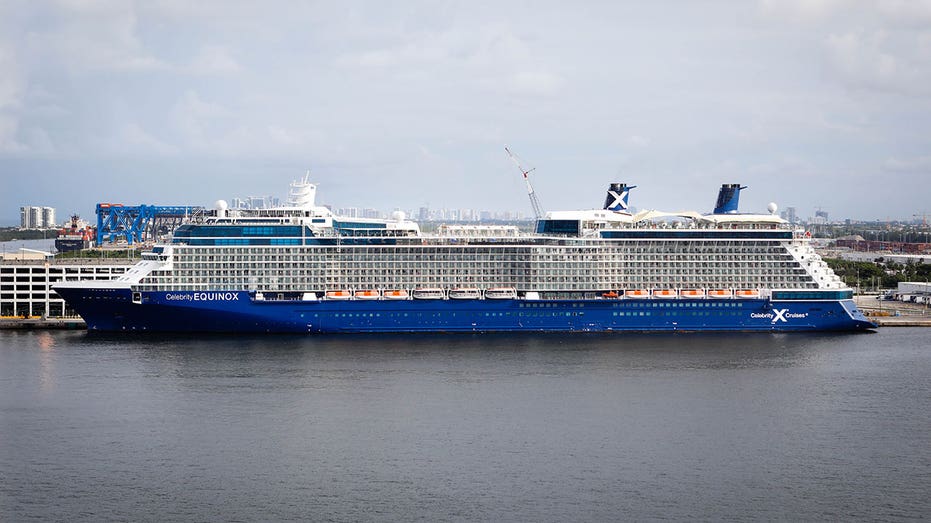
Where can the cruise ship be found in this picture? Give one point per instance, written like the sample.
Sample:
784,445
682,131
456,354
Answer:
301,269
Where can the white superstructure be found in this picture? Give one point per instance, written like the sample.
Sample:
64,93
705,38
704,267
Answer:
304,249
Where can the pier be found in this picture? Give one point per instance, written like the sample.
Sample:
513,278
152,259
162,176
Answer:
892,313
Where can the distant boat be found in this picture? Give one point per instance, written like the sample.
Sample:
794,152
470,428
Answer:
75,237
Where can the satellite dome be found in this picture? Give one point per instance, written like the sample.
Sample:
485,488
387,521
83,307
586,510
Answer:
772,207
221,205
398,216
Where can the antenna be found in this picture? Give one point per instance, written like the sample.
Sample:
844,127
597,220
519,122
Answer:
534,202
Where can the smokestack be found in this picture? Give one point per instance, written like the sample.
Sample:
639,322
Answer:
728,198
617,197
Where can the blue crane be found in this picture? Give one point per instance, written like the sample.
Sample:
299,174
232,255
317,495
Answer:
138,223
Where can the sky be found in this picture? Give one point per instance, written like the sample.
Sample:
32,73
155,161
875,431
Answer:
812,104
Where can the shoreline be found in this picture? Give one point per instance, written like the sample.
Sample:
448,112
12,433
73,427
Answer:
42,323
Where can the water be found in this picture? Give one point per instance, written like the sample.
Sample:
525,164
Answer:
46,245
453,428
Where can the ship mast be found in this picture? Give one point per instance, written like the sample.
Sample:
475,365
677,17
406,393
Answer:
534,202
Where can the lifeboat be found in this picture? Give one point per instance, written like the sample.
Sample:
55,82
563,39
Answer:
368,295
720,293
637,293
397,294
664,293
748,293
465,293
501,293
339,295
692,293
609,295
428,293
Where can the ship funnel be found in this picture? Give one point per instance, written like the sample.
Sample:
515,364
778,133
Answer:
728,198
617,197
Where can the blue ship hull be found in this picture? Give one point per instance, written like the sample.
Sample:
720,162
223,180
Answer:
238,311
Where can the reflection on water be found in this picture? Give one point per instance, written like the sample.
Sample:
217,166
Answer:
46,345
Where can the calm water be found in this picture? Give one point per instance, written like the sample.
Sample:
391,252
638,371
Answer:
436,428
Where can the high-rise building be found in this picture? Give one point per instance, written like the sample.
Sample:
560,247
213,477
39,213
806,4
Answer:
48,217
35,217
789,215
32,217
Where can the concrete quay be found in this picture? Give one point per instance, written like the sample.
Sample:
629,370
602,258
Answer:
41,323
890,313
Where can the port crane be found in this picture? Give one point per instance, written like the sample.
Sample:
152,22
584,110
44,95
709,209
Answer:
534,202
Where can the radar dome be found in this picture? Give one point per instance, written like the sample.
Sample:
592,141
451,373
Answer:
772,207
398,216
221,205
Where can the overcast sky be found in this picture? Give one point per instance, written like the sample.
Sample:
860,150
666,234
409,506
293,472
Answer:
401,104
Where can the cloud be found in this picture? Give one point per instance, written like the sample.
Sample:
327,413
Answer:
538,83
408,54
9,135
214,59
878,46
87,36
356,89
917,12
908,165
879,60
410,49
637,141
860,57
199,121
492,58
11,90
137,139
804,10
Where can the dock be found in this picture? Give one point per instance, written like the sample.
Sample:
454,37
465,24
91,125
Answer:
901,321
891,313
41,323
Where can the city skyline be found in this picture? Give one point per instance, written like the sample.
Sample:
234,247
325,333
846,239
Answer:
428,214
812,104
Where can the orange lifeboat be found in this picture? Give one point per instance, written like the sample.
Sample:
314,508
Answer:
368,295
609,295
637,293
720,293
748,293
397,294
664,293
692,293
339,295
